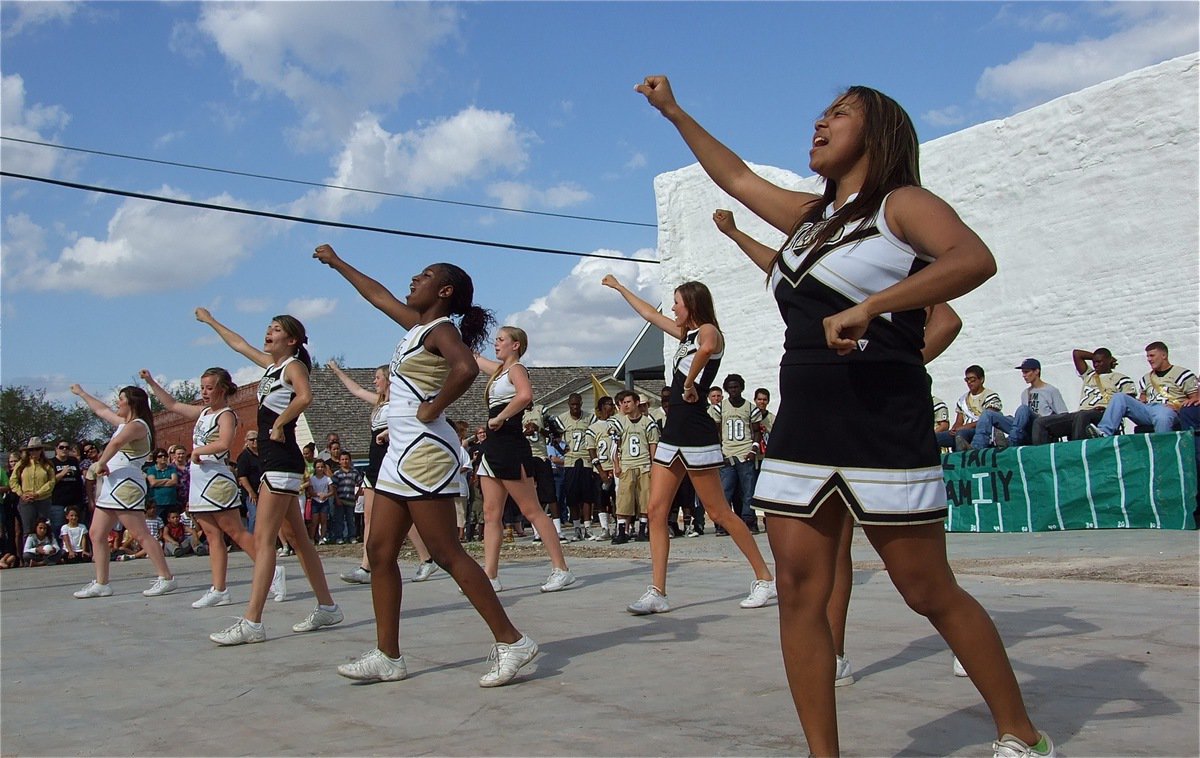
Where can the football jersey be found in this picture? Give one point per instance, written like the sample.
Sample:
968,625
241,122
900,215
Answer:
1171,388
600,439
1098,389
575,437
737,427
972,406
635,437
940,411
535,415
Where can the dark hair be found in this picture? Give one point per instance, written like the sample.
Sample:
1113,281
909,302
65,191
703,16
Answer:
699,303
224,380
736,379
605,400
976,370
762,391
292,327
1105,351
1158,346
574,396
893,160
626,393
139,402
476,322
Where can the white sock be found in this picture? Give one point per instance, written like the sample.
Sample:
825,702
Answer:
252,624
330,608
536,536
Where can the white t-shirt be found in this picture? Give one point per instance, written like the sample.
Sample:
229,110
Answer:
72,536
322,487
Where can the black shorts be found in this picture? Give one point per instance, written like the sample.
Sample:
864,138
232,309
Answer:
543,477
577,484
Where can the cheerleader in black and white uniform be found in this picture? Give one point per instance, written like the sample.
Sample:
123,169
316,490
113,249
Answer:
420,476
213,494
691,443
860,264
283,394
376,452
506,467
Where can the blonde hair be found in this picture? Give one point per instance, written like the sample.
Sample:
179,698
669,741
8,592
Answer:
517,335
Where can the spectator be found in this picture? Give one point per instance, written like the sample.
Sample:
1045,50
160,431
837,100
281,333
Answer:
334,456
320,488
10,517
1100,383
636,437
40,547
715,396
181,459
249,472
1037,400
68,485
600,444
577,487
737,418
199,540
73,537
348,483
163,479
1162,392
941,416
33,480
969,408
176,540
331,439
90,454
533,422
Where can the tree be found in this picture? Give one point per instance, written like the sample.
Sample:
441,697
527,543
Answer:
25,413
184,391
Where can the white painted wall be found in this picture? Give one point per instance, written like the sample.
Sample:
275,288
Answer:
1089,203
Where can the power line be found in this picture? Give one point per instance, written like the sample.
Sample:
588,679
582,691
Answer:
306,183
315,221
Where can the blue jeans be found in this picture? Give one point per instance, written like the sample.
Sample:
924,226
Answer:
1016,426
732,475
1122,406
341,522
251,513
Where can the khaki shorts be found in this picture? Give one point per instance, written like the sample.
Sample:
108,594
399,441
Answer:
460,511
633,492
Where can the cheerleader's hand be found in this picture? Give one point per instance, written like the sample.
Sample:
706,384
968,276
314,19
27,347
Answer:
382,437
325,254
203,316
690,395
495,423
276,434
195,457
658,93
724,221
99,469
610,281
425,413
145,375
843,330
76,390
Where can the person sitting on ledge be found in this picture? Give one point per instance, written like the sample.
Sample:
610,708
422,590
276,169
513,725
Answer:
1163,391
1037,400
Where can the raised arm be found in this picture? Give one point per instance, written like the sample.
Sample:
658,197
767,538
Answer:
100,409
372,291
756,251
942,325
445,341
297,376
353,387
486,365
779,207
168,401
1080,359
644,309
233,339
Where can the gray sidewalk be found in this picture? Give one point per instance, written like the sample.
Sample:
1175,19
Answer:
1108,668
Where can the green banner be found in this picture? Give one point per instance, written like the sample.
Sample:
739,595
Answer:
1133,481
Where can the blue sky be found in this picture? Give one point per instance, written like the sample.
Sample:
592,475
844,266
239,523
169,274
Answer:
519,105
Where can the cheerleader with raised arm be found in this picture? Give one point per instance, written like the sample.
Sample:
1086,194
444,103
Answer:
690,444
420,477
123,487
506,467
283,394
213,497
375,455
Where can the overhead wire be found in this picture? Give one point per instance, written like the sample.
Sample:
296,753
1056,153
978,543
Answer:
307,183
316,221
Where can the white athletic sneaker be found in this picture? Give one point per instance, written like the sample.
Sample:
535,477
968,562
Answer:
279,585
94,589
761,591
958,668
241,633
496,585
160,587
559,579
844,673
653,601
603,536
358,576
375,666
507,660
319,618
213,597
425,570
1009,746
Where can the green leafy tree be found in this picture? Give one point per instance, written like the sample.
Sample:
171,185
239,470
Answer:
184,391
25,412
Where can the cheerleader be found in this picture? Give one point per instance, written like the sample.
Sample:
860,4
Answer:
419,478
506,467
213,495
123,487
691,444
283,394
378,449
860,264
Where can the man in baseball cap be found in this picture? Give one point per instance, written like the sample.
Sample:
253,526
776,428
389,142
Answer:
1037,400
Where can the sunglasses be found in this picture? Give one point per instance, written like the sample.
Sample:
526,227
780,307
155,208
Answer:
61,447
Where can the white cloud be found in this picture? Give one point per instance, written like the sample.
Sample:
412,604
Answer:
23,242
468,145
37,122
246,375
23,16
603,325
526,196
1147,34
636,161
1033,18
149,246
951,115
168,138
251,304
332,63
309,308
